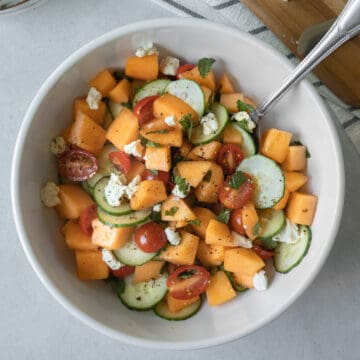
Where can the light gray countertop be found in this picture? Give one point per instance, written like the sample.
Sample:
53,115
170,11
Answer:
322,324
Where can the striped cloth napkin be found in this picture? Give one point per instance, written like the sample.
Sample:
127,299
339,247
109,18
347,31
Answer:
234,13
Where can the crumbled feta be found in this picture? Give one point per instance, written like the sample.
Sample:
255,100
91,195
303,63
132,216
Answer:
147,49
157,208
170,120
114,190
111,261
172,236
93,98
244,117
134,148
290,233
131,188
240,240
177,192
169,65
50,194
58,145
209,123
260,281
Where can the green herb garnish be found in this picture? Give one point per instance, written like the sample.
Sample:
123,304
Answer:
204,66
256,229
299,143
244,124
163,131
243,106
207,176
152,144
195,222
224,216
187,124
237,179
182,184
154,172
172,211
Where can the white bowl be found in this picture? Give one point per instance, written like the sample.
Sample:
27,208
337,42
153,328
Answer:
258,70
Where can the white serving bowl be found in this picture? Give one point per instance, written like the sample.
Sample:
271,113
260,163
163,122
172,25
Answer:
258,70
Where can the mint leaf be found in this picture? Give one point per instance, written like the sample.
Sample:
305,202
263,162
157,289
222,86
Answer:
204,66
299,143
172,211
224,216
207,176
256,229
181,183
244,124
243,106
195,222
237,179
154,172
187,124
163,131
152,144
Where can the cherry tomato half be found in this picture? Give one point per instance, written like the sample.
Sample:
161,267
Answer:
236,221
236,198
77,165
163,176
123,271
184,67
188,281
121,160
150,237
85,219
264,254
230,156
143,110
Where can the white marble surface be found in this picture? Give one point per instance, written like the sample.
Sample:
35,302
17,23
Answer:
322,324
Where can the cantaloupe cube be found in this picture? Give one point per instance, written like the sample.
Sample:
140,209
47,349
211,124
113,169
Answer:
87,134
193,171
275,144
148,194
232,136
208,151
110,238
242,260
103,82
294,180
75,238
124,129
218,233
73,201
175,305
244,280
301,208
208,191
296,159
143,68
250,221
90,265
121,92
204,216
66,132
208,93
194,74
230,101
185,148
137,168
98,115
178,224
165,136
225,85
158,158
147,271
283,201
176,209
184,253
220,289
210,255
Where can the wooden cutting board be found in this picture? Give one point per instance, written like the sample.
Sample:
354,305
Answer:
340,72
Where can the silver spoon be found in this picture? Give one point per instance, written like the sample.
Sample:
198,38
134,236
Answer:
346,26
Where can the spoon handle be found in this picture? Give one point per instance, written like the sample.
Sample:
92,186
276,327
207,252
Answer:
346,26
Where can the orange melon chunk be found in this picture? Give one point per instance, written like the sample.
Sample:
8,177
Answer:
244,280
137,168
148,194
90,265
218,233
220,289
103,82
194,74
294,180
98,115
143,68
208,191
283,201
175,305
275,144
75,238
296,159
121,92
232,136
208,151
147,271
183,211
241,260
301,208
193,171
204,216
225,85
164,136
210,255
250,221
230,101
158,158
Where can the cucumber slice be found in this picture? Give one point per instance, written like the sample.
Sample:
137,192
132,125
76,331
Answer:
100,200
133,219
269,179
271,221
287,256
131,255
248,145
268,244
162,310
152,88
222,117
87,188
144,295
190,92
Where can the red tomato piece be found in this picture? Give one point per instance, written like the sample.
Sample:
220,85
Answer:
121,160
77,165
85,219
236,198
230,156
163,176
184,67
143,110
150,237
236,222
264,254
123,271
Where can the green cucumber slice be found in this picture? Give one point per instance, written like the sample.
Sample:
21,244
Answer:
190,92
222,117
162,310
132,219
131,255
145,295
87,188
287,256
272,222
248,145
100,200
269,179
152,88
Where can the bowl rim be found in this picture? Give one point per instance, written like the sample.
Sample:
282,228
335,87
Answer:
17,213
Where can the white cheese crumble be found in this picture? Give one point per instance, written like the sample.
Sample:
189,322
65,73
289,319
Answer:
260,281
177,192
93,98
147,49
58,145
50,194
157,208
290,233
209,123
170,120
240,240
134,148
131,188
111,261
172,236
169,65
244,117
